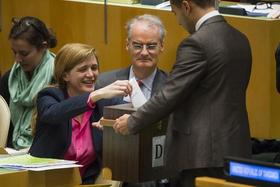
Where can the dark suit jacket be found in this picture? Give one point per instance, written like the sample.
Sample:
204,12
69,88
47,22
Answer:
54,128
277,58
205,94
123,74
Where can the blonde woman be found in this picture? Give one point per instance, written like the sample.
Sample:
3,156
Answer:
66,111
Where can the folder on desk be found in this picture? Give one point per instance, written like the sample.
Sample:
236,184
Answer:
232,10
240,11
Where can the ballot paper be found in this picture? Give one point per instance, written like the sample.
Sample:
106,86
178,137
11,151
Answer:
137,97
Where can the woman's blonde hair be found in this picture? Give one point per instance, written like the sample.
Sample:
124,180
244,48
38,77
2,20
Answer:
68,57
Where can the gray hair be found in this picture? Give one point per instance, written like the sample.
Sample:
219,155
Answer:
151,20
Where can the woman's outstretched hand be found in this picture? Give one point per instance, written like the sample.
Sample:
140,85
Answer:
117,88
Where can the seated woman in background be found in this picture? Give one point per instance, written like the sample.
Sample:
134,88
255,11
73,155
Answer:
32,70
66,110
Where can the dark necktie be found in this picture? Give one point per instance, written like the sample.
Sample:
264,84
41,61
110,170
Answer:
140,83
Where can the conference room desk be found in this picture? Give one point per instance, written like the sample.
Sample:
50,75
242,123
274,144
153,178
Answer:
53,178
214,182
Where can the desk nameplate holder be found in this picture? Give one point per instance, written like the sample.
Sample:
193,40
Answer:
252,172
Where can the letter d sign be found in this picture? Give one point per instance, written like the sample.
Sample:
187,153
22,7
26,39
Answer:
158,151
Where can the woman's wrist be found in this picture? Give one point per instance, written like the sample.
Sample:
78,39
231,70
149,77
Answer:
95,96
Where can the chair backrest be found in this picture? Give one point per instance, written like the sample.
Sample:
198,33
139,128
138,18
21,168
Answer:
5,117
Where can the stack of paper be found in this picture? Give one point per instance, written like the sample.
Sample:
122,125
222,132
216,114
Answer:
165,5
261,10
124,1
28,162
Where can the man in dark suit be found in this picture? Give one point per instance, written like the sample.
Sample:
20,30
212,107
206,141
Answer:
205,95
144,43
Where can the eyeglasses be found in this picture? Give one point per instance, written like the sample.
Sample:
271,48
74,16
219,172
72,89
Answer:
263,6
150,47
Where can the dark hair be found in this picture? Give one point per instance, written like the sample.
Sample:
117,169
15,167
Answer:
33,30
200,3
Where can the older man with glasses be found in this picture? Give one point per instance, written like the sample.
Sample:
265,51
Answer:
144,44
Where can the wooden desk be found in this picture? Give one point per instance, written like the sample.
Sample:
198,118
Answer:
54,178
83,21
213,182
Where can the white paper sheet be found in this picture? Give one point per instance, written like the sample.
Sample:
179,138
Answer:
261,8
137,97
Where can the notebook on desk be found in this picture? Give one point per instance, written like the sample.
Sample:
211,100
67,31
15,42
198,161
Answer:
240,12
232,10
